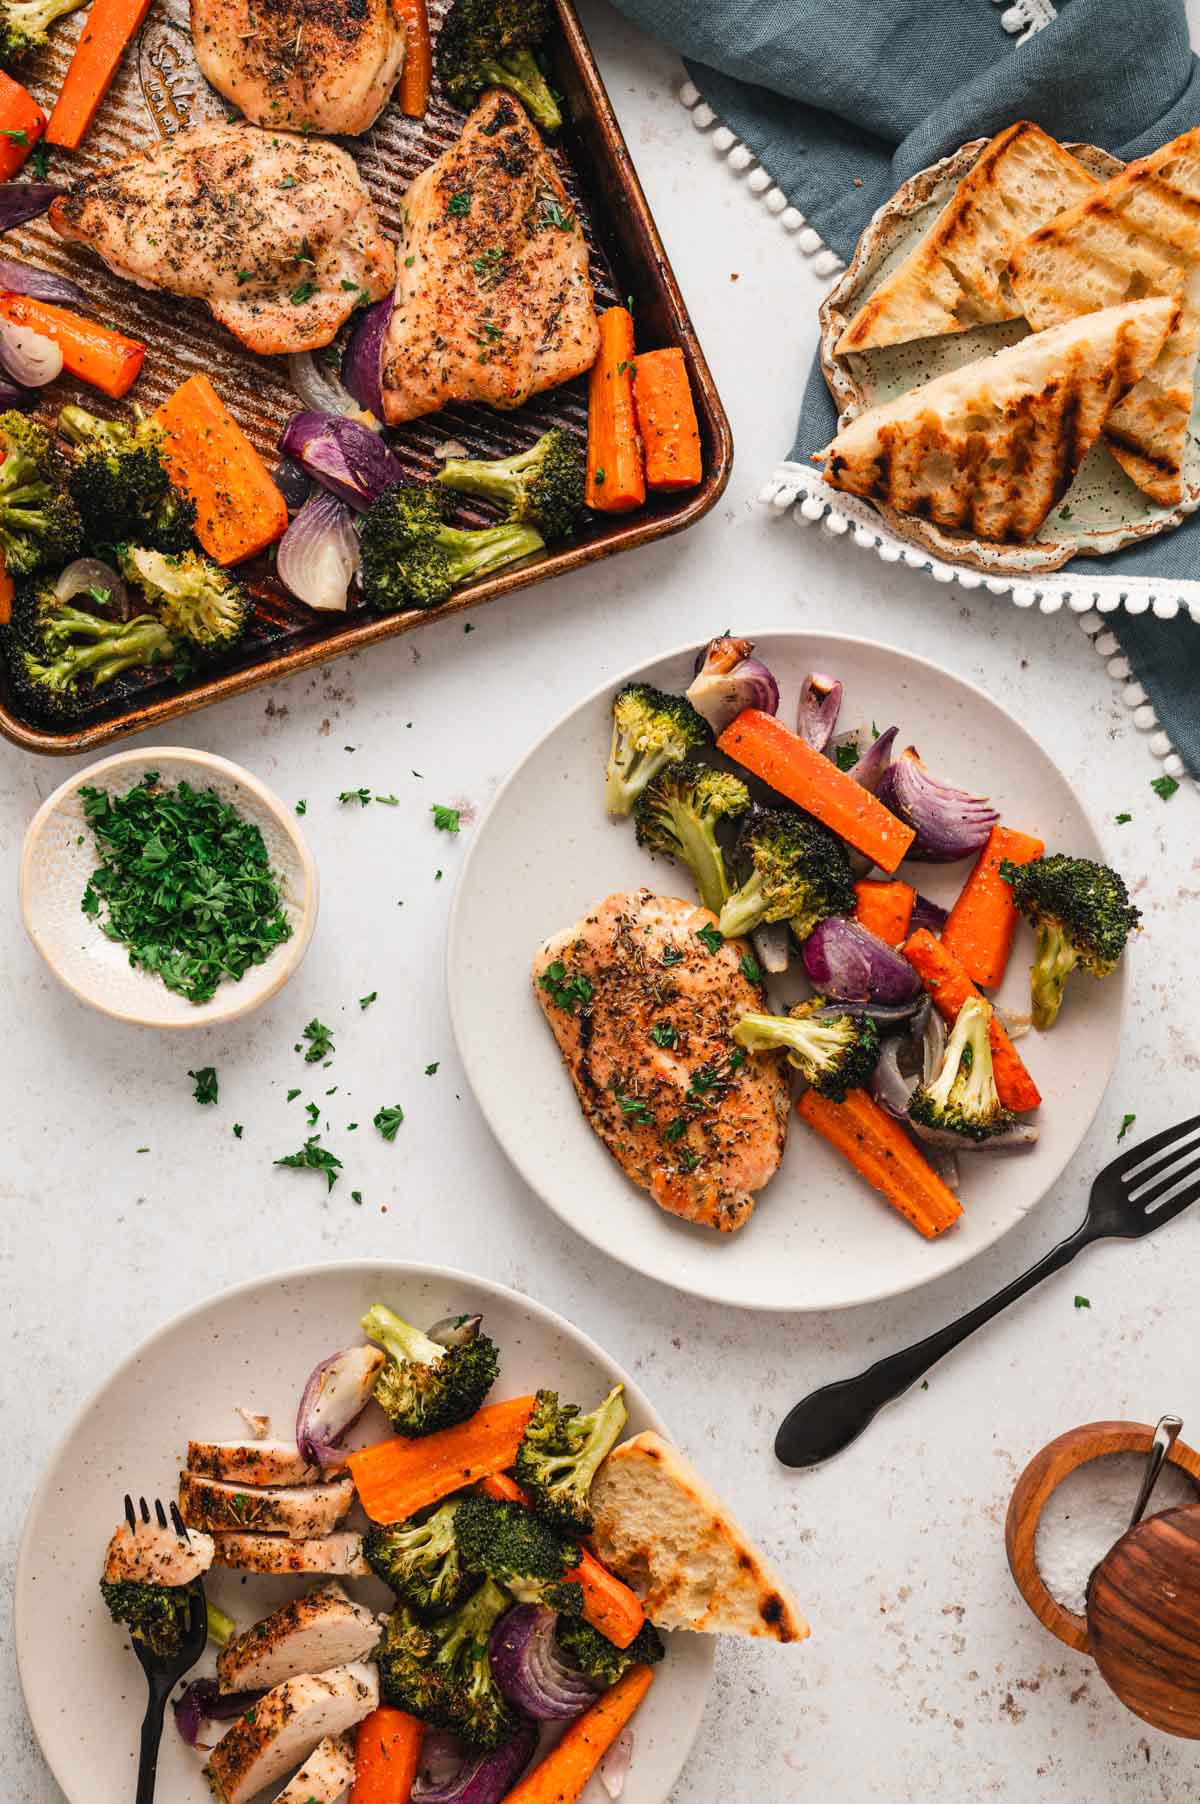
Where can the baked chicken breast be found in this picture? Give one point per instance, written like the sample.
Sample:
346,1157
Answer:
493,296
643,1009
274,231
311,65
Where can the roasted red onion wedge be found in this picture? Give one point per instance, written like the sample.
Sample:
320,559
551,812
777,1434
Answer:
530,1670
820,705
451,1773
846,962
949,823
335,1396
728,678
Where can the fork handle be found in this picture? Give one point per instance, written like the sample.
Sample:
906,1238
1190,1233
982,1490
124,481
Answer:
828,1420
152,1728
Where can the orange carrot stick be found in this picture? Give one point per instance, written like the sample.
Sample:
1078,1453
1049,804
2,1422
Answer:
949,986
616,479
982,922
417,74
882,1153
239,510
96,354
22,123
766,748
608,1603
7,592
666,420
108,29
386,1756
561,1777
396,1478
885,909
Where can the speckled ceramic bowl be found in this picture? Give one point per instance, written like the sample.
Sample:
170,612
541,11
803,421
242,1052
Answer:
58,857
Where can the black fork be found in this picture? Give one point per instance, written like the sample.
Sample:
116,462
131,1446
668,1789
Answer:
163,1674
1140,1191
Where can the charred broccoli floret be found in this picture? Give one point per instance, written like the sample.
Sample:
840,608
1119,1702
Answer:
510,1544
600,1658
425,1386
412,559
63,659
24,24
651,730
1083,917
491,44
39,523
420,1559
441,1673
541,487
194,598
561,1452
832,1052
797,871
154,1614
677,816
120,483
962,1099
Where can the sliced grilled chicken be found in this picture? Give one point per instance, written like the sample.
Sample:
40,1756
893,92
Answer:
301,64
284,1727
308,1634
326,1775
493,297
275,232
254,1462
694,1123
339,1555
303,1512
156,1556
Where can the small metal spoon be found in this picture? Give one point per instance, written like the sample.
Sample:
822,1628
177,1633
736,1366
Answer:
1165,1436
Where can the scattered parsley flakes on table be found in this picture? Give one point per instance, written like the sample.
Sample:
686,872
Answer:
312,1156
207,1084
388,1119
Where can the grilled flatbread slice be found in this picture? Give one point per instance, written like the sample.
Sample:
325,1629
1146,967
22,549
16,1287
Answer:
662,1528
957,277
992,447
1139,234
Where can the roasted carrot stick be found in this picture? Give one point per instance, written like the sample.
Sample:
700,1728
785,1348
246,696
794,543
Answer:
417,74
561,1777
982,922
7,592
608,1603
109,27
885,909
880,1150
239,510
616,479
949,986
94,353
386,1756
22,123
666,420
770,752
396,1478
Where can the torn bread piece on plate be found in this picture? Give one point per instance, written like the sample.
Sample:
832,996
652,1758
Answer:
662,1528
992,447
304,1512
957,277
280,1732
324,1628
326,1775
339,1555
1137,235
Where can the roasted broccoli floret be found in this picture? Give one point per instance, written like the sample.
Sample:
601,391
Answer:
425,1386
962,1099
520,1551
441,1673
24,24
420,1559
797,872
833,1053
121,485
561,1452
677,816
541,487
1083,916
194,598
491,44
412,559
63,659
154,1614
39,523
599,1658
651,730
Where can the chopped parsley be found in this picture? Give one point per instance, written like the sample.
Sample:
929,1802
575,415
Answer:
243,276
313,1111
361,796
553,215
563,990
687,1159
388,1120
303,291
1122,820
446,820
312,1156
845,756
712,938
206,1083
302,806
320,1041
292,1095
1127,1122
388,801
366,1001
750,968
432,1070
39,162
1083,1302
598,477
459,205
672,956
289,181
237,1130
1164,788
634,1108
15,136
676,1129
356,1196
664,1034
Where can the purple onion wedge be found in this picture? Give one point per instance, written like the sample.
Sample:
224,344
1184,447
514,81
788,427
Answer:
362,366
847,963
820,705
949,823
335,1396
530,1671
22,201
343,455
39,284
318,554
451,1773
28,357
928,914
873,765
201,1701
728,679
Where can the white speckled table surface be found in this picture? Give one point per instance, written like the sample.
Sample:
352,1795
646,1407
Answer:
925,1677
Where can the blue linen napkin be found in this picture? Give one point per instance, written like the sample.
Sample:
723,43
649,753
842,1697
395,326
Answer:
842,100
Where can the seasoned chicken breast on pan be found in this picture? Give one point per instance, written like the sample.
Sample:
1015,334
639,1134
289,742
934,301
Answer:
312,65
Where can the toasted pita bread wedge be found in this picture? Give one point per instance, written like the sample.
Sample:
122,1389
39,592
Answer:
1139,234
992,447
662,1529
957,276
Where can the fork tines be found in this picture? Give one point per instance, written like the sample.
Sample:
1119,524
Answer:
1153,1172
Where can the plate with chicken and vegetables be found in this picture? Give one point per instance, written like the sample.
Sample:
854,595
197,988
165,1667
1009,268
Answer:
821,985
314,326
406,1532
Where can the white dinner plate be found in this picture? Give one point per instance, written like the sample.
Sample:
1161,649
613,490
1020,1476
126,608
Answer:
255,1347
819,1238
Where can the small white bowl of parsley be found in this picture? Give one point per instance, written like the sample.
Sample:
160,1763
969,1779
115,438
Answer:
168,888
